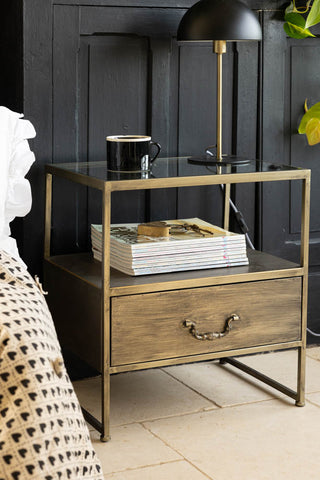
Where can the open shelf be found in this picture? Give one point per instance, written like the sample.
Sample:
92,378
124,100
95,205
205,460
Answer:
261,267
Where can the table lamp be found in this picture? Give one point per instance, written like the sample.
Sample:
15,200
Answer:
219,21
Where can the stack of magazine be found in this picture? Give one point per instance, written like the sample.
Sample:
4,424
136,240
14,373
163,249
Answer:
193,245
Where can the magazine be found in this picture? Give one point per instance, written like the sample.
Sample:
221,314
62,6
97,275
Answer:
194,244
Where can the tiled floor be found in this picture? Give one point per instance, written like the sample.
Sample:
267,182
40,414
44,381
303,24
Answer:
210,421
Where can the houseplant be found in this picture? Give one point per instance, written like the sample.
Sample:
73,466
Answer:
298,21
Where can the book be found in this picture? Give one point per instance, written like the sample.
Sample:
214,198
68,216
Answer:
194,244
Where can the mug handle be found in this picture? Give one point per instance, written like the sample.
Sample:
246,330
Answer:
157,153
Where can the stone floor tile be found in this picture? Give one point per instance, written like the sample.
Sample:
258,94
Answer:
314,398
260,441
131,446
180,470
314,352
228,386
138,396
221,383
282,366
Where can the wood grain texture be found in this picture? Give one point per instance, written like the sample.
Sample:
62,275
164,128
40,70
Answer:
150,327
205,357
37,107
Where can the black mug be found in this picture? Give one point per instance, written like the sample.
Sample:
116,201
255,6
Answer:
130,153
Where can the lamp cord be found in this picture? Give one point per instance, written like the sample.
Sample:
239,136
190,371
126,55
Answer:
313,333
239,217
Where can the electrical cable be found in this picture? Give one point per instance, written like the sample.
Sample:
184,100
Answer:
241,222
239,217
313,333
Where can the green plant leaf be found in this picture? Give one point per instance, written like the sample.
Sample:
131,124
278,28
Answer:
313,131
296,19
295,31
314,15
291,8
313,112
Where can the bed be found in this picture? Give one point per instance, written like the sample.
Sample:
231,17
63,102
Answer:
43,435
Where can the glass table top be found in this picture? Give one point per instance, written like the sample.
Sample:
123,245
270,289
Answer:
171,168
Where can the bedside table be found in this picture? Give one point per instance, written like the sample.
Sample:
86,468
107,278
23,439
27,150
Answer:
118,323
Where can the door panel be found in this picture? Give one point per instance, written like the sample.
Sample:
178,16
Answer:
291,75
72,70
128,75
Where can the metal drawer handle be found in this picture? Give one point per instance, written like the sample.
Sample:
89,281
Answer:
210,335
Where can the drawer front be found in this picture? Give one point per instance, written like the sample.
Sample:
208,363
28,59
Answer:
152,326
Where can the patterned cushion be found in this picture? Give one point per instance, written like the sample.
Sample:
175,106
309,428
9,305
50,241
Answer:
43,435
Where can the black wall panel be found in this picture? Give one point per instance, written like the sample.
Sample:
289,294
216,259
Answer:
92,69
305,81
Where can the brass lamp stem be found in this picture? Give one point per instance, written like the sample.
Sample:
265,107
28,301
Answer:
219,47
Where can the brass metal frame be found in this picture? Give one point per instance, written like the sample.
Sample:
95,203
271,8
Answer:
108,290
219,47
105,314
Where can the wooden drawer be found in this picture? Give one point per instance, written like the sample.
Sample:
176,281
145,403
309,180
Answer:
151,326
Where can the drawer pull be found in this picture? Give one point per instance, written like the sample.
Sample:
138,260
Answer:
210,335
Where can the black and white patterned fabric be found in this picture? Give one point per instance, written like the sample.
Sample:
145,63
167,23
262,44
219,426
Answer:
43,435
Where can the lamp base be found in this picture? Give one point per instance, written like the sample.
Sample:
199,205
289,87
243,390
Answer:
212,160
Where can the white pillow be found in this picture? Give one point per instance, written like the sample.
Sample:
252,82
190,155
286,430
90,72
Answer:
16,159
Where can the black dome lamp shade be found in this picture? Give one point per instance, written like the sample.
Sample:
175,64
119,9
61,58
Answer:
229,20
219,21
